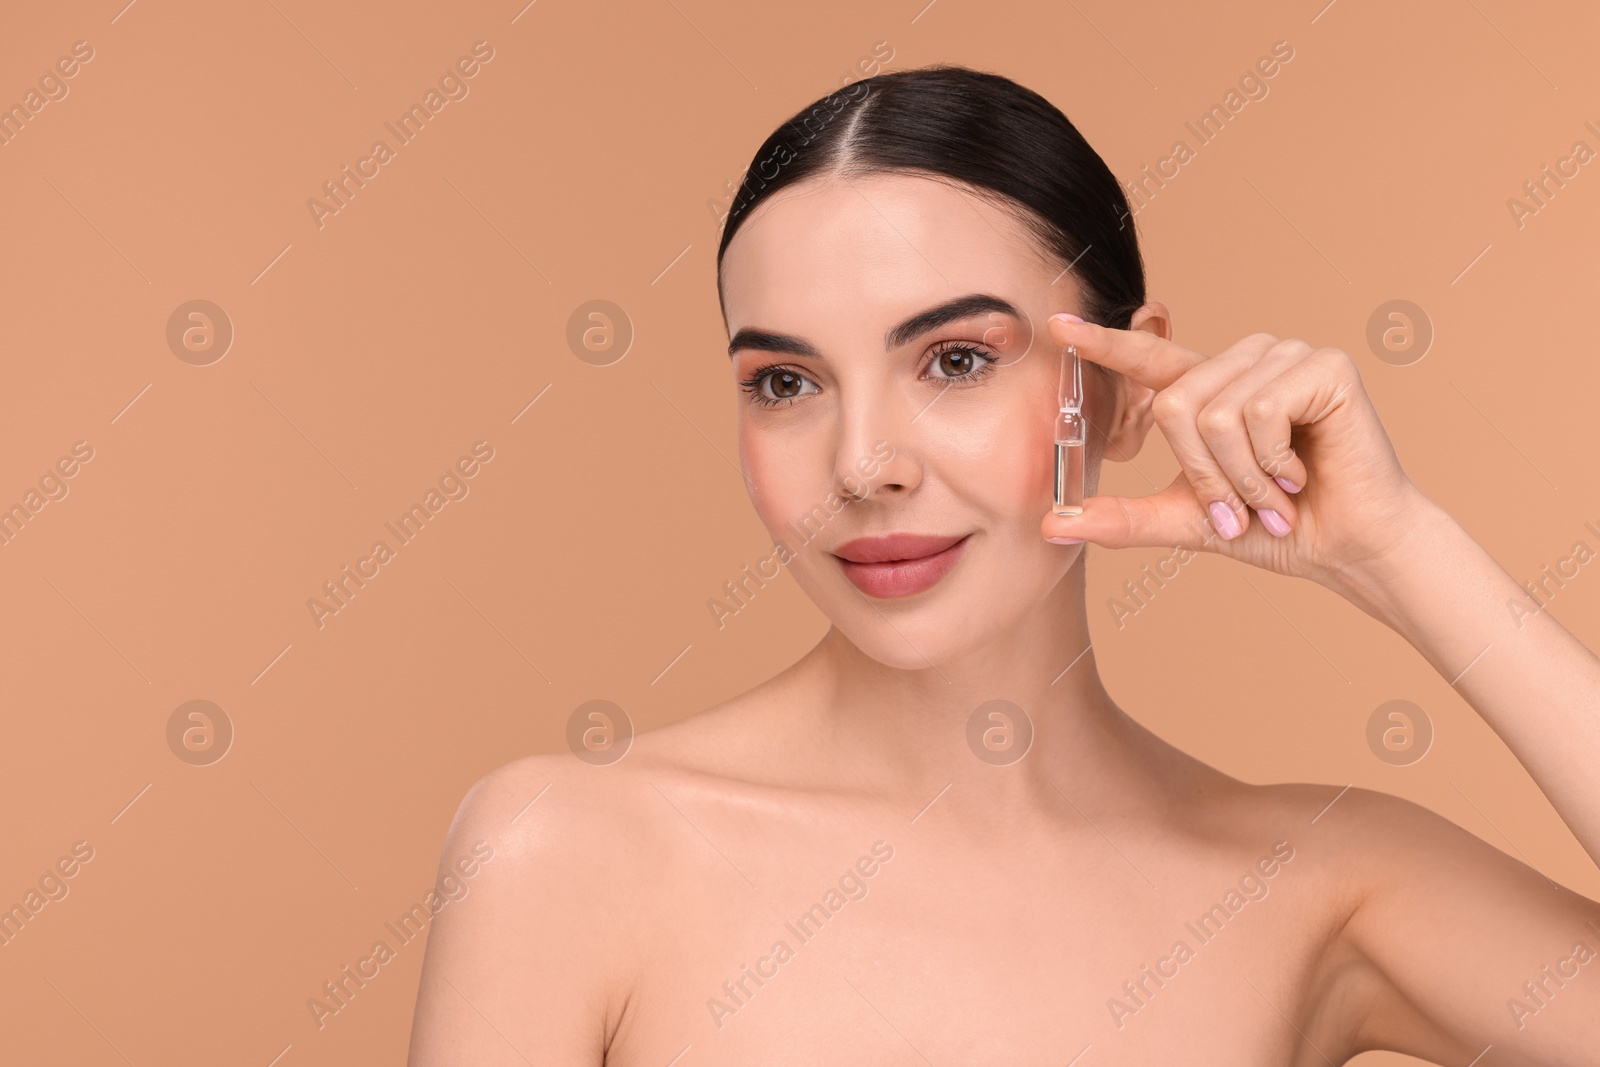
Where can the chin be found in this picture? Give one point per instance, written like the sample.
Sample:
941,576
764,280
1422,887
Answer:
916,633
904,647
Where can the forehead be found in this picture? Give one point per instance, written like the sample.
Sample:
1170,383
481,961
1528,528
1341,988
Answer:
859,252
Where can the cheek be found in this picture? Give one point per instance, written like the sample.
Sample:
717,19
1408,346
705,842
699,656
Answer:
782,471
1003,456
1031,469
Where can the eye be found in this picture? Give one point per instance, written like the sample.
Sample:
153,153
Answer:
960,361
774,385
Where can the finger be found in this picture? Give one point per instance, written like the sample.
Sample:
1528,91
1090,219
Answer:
1272,444
1305,393
1222,426
1171,518
1177,410
1139,354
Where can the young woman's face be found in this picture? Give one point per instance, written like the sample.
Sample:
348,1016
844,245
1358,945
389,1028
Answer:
857,421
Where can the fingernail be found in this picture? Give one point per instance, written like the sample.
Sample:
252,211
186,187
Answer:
1273,522
1065,540
1286,485
1067,316
1223,518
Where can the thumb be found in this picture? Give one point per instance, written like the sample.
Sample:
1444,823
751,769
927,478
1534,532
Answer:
1172,518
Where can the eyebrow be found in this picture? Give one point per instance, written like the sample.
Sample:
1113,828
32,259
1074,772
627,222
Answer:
964,307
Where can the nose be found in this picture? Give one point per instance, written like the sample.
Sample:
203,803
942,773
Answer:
877,452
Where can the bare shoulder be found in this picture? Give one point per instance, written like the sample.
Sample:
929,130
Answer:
591,819
1219,815
1359,856
1431,941
509,800
600,822
1375,841
538,949
1359,844
1346,824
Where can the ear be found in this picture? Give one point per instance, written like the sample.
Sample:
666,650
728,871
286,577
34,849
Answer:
1133,416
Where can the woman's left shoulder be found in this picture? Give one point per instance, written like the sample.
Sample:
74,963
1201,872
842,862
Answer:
1384,851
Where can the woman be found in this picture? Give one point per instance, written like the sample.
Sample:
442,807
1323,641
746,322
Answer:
936,839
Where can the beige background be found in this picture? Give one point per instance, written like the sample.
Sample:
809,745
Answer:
585,164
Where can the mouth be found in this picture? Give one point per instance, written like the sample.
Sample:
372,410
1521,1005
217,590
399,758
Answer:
899,565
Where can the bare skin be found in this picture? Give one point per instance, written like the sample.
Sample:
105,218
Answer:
963,908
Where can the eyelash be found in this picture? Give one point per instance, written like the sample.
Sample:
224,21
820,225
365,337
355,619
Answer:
752,384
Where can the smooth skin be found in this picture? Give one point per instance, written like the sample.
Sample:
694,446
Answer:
966,910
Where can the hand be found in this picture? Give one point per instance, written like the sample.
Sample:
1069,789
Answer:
1285,464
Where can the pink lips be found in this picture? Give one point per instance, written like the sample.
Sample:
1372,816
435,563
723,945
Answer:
897,565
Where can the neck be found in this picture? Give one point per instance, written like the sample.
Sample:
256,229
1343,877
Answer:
912,730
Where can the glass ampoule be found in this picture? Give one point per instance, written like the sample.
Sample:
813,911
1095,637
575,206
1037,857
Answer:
1070,436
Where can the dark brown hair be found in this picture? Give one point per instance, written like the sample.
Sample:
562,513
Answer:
984,132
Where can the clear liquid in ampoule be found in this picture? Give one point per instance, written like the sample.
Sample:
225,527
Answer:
1069,478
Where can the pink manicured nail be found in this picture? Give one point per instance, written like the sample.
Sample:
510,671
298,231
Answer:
1286,485
1223,518
1065,540
1068,317
1273,522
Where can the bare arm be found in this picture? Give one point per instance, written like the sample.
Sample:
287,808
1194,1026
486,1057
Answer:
1534,683
1485,949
